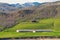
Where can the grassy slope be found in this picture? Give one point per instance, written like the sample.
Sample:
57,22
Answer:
42,24
27,34
46,23
57,25
11,32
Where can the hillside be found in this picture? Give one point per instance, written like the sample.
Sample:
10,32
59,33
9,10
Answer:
11,18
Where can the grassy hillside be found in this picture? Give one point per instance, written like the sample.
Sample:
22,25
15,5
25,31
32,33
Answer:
27,34
41,24
57,25
47,16
48,10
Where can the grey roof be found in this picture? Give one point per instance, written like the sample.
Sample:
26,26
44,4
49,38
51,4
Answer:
35,30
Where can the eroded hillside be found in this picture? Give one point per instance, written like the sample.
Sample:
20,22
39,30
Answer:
11,18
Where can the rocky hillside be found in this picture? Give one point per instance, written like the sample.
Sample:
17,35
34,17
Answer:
9,18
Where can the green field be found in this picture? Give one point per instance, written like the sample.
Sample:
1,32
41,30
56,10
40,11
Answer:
57,25
41,24
50,23
27,34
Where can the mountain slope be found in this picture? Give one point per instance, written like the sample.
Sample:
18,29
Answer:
28,14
